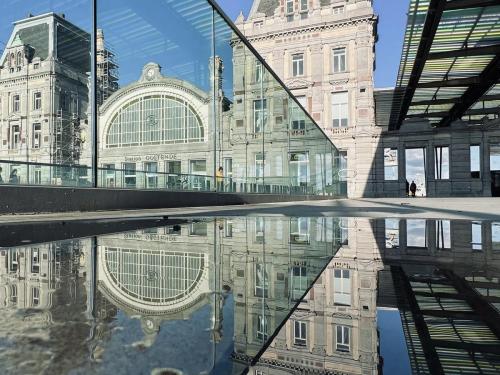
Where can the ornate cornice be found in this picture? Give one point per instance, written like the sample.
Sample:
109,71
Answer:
310,29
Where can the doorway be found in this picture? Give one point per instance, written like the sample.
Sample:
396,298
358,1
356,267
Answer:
416,169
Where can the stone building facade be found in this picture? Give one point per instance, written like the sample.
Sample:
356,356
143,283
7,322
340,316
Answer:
44,97
324,52
334,329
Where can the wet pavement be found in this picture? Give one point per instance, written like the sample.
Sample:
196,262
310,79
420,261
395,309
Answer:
258,294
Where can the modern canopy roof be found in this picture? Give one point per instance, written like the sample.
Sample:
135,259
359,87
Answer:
450,65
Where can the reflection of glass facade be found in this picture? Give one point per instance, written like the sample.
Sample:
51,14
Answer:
200,98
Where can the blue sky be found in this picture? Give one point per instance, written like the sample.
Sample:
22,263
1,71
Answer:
391,27
392,22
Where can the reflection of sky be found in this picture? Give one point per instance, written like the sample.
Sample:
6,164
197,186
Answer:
415,165
78,12
443,234
495,157
495,232
392,343
415,229
175,34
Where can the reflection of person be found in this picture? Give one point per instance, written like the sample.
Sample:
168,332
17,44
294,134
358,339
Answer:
413,188
14,178
1,179
219,177
407,188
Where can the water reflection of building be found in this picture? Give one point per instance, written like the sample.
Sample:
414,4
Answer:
44,99
40,287
334,329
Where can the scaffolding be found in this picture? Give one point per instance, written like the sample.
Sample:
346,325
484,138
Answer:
107,70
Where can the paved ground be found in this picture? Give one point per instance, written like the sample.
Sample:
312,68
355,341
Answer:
431,208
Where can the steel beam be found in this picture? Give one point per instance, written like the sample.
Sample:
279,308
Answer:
457,82
406,294
489,77
465,52
466,4
434,14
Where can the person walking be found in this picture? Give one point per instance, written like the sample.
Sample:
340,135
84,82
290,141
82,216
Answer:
14,178
1,179
413,188
407,188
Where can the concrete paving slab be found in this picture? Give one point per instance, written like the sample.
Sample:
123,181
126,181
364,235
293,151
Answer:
430,208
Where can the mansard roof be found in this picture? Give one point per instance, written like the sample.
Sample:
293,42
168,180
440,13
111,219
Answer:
264,6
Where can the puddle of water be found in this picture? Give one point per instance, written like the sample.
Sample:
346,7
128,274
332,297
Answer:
268,295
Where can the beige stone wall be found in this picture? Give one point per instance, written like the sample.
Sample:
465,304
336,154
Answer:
277,38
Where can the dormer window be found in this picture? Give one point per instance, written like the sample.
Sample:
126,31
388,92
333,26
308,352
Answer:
19,59
12,61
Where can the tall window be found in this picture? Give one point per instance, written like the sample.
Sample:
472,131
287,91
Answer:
298,64
37,135
495,157
35,261
262,332
299,168
391,233
495,236
300,333
109,174
289,6
15,136
151,175
259,165
16,103
303,5
443,235
341,165
35,296
261,280
442,163
340,109
475,161
298,282
258,71
343,338
259,115
416,233
391,164
129,175
342,287
37,101
477,236
339,60
299,230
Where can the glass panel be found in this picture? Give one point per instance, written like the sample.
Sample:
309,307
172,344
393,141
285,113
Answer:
391,164
45,72
475,161
416,233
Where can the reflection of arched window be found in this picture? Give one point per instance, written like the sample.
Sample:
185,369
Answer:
19,59
155,119
155,277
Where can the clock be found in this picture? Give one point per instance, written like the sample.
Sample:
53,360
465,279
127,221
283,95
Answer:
150,73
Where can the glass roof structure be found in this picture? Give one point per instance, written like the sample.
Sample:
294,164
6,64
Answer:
450,65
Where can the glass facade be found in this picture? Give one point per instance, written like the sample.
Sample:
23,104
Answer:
151,95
